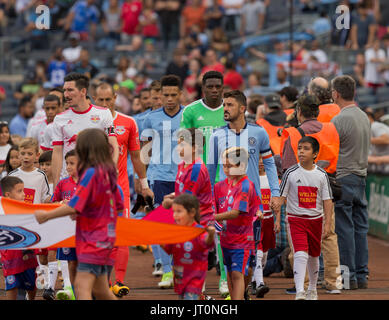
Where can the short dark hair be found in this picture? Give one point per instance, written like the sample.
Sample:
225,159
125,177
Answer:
345,86
189,202
237,95
309,106
155,85
46,156
170,80
144,90
212,75
9,182
255,101
193,136
24,101
51,98
312,141
71,153
81,80
291,93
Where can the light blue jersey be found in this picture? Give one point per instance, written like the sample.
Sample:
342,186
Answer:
256,141
161,129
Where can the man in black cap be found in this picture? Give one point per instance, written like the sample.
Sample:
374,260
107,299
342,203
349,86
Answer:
273,108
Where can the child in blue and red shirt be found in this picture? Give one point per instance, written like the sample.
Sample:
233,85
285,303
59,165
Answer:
237,203
190,259
96,204
18,265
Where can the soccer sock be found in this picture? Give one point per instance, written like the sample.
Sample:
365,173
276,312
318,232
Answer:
258,272
53,273
45,272
121,262
313,272
65,273
264,260
299,268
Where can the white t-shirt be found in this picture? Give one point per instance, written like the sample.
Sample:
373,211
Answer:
47,139
371,69
38,131
305,191
231,11
36,186
72,54
4,152
386,74
38,118
68,124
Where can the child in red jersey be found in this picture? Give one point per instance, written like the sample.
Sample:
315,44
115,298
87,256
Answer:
237,203
18,265
96,204
190,259
192,174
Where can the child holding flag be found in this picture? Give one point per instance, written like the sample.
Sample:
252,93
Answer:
96,204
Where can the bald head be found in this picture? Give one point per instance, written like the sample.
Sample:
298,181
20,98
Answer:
320,88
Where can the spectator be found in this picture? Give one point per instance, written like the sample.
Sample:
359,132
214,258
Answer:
211,62
316,52
273,59
111,25
232,14
192,14
3,95
282,77
252,105
178,66
37,38
169,15
374,57
84,66
321,26
359,70
254,84
72,53
277,11
148,22
29,87
214,15
192,85
232,78
83,18
252,17
5,141
381,13
351,214
57,69
379,138
363,28
18,124
220,42
385,66
125,96
131,10
288,97
125,70
243,67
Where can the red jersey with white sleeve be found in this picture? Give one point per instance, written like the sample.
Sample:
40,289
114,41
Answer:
127,135
194,179
242,196
47,139
64,190
190,263
305,191
68,124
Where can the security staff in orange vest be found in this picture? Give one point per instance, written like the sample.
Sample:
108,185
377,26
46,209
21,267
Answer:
273,121
320,88
307,111
288,97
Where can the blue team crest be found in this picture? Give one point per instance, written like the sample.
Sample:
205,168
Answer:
17,237
231,200
188,246
222,201
252,141
11,279
181,187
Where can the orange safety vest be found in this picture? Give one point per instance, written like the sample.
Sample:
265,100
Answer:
328,139
327,112
275,139
288,111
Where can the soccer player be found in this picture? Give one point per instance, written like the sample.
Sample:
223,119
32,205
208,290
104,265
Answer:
305,188
160,127
128,141
80,115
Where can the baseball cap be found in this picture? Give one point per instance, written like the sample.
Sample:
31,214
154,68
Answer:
74,36
273,100
129,84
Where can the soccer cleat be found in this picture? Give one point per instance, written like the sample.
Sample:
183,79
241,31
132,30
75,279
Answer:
253,287
203,296
66,294
228,297
311,295
301,295
49,294
291,290
335,291
262,290
223,288
120,290
246,295
158,270
167,280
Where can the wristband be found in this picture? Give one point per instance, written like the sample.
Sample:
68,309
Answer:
144,183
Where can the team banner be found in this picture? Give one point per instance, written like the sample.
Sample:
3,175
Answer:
20,230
